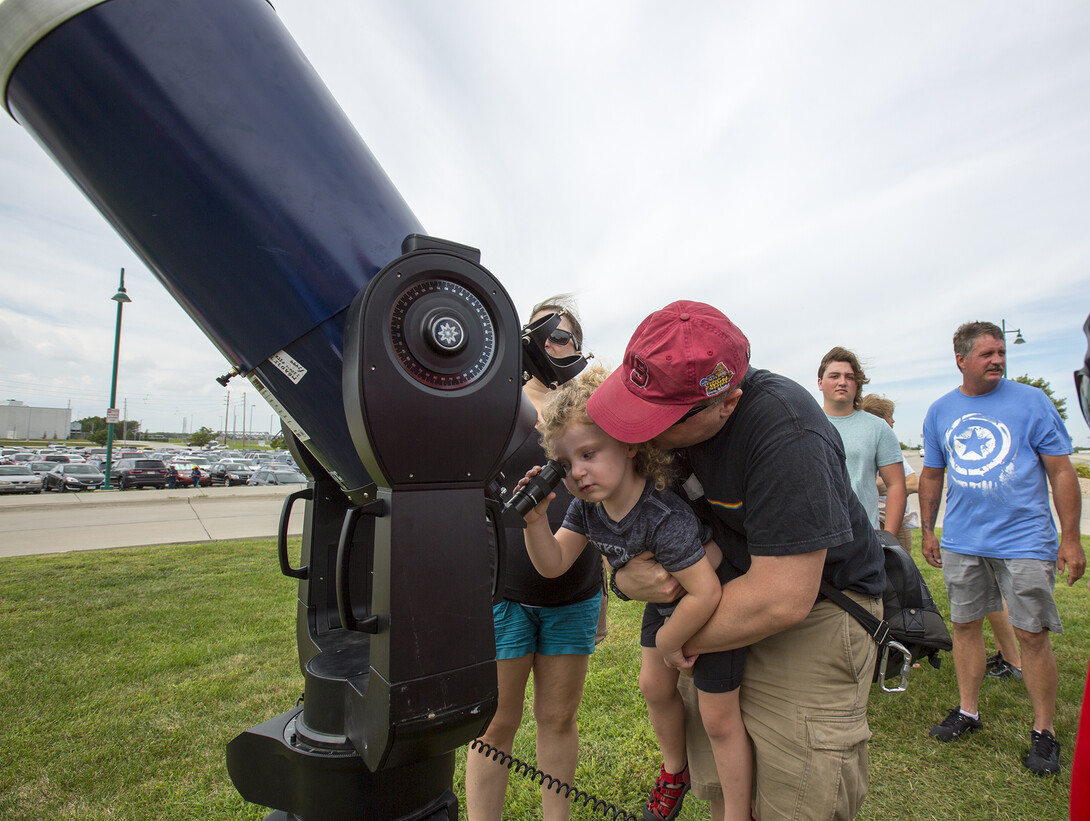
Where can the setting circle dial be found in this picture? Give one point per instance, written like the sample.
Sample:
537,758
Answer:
442,334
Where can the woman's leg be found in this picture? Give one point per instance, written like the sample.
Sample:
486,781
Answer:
486,780
558,688
733,754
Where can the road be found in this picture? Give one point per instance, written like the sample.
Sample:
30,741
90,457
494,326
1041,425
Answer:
59,522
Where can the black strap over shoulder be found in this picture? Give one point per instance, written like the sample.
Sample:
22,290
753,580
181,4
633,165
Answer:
878,628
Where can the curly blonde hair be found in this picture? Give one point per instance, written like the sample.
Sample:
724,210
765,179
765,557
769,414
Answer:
568,406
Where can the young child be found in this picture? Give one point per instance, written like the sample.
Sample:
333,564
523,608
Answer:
621,506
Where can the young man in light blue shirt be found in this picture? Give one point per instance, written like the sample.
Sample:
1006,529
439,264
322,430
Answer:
870,445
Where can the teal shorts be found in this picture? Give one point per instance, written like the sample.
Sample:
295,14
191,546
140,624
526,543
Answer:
550,631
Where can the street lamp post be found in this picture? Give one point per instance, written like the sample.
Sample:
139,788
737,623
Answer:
120,298
1017,341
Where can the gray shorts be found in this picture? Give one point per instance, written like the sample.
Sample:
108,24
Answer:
978,585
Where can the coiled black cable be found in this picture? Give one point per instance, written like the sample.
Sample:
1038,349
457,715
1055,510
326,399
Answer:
575,795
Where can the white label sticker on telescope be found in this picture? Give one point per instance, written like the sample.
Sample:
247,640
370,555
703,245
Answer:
288,366
293,426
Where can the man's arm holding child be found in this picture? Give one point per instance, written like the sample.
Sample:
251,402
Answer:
776,592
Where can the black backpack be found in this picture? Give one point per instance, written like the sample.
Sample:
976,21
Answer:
912,628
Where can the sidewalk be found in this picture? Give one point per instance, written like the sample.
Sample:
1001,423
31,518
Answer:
59,522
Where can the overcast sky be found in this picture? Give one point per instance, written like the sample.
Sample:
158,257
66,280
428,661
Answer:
837,173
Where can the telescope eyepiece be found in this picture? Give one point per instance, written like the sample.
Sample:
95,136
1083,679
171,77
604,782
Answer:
530,495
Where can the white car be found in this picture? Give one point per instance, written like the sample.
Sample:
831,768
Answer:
19,479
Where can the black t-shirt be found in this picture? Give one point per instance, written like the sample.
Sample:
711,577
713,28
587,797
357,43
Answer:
523,583
776,480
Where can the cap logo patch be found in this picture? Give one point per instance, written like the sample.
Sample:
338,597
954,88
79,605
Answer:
639,372
718,380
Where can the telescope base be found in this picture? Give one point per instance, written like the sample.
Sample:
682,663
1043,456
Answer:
269,767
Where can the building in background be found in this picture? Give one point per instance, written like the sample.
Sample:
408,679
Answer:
20,421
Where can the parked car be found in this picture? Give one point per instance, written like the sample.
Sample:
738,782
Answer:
277,476
230,473
56,457
73,477
19,479
139,473
41,468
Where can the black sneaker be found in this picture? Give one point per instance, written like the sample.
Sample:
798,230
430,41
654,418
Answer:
993,661
1044,753
954,725
1004,669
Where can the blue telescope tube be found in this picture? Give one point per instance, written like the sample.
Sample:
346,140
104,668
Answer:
206,139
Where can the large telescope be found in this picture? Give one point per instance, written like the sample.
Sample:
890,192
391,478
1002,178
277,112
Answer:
205,138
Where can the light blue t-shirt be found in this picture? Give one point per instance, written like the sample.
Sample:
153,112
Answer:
996,484
869,443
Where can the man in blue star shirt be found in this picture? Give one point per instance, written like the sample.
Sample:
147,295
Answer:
1000,444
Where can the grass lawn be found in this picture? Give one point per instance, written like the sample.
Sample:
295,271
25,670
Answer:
126,672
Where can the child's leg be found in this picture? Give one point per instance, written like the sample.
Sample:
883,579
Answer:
658,683
722,719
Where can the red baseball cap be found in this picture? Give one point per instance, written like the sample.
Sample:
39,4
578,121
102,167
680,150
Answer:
684,354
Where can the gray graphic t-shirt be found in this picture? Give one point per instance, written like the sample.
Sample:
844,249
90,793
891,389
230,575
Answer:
660,522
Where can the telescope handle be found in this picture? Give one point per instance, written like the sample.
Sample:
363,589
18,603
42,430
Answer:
282,534
372,623
494,516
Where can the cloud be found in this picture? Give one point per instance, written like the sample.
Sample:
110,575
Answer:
844,173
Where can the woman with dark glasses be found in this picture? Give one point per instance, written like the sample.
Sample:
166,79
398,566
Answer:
545,627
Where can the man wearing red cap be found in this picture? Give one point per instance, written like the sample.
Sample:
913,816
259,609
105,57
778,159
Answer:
771,472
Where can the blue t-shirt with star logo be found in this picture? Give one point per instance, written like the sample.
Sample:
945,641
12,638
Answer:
996,484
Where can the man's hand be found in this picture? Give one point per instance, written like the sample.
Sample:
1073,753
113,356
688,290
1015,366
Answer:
931,481
1071,558
931,548
643,579
1067,497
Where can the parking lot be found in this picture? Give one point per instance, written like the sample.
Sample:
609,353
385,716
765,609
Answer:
60,522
